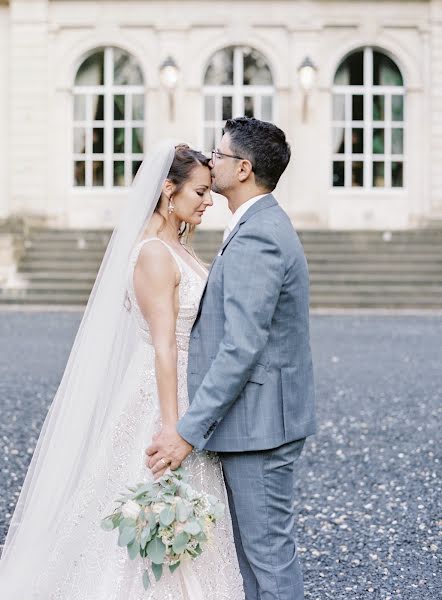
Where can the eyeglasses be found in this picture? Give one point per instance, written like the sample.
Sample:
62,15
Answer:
216,154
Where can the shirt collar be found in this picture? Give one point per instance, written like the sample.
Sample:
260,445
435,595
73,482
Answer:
241,210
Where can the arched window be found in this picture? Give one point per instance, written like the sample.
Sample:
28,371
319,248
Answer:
238,82
108,120
368,122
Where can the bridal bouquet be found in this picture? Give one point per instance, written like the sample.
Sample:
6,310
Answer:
165,521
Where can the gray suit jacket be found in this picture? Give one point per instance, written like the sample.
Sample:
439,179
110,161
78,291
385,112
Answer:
250,375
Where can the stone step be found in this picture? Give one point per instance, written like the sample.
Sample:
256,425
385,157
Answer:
347,268
315,277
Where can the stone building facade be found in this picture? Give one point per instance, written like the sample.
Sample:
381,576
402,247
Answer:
81,99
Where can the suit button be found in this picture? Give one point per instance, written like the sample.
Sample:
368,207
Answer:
205,436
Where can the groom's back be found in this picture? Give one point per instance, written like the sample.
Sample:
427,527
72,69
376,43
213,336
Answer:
276,404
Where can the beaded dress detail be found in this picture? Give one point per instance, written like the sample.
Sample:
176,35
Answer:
103,571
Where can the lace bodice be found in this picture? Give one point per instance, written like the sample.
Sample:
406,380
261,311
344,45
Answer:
190,289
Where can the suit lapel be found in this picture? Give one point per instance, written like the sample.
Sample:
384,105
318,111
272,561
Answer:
265,202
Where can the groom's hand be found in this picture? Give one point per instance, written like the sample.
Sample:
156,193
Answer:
167,451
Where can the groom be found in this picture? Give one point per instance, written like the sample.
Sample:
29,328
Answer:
250,376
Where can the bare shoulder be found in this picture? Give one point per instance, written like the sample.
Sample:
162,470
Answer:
155,262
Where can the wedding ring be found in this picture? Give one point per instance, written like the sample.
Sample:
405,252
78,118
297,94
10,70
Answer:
164,462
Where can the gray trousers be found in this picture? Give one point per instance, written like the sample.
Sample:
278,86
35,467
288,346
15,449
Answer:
261,491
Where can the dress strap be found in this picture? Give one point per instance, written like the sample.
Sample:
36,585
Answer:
157,239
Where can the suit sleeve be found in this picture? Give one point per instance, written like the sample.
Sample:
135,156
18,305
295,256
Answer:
253,275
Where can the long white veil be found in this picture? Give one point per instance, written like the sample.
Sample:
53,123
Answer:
87,397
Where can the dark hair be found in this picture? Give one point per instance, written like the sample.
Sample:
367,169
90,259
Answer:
263,144
185,160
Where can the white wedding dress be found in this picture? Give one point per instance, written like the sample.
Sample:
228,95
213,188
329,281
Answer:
102,570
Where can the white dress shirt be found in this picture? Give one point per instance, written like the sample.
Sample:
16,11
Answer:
238,214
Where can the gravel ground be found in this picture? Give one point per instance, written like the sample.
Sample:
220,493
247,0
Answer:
370,481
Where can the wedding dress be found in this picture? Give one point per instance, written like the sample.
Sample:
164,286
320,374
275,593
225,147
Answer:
102,570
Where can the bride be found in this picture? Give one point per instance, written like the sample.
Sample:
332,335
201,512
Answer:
125,381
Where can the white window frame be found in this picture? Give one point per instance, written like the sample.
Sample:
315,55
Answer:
108,90
238,92
368,91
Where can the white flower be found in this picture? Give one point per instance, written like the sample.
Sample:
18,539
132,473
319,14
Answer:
131,509
158,507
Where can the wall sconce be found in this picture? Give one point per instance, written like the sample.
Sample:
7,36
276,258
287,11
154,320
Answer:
169,74
307,72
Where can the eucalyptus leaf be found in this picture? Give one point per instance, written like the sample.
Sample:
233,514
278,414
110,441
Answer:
147,488
180,542
174,567
127,536
124,523
157,570
146,580
146,536
219,510
167,516
156,551
133,550
192,527
151,520
182,511
107,524
201,537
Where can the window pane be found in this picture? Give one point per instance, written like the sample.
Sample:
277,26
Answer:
338,174
79,107
91,72
378,141
209,139
351,71
119,107
137,140
126,69
138,107
98,173
357,174
358,108
338,140
220,69
397,108
79,140
97,107
267,108
378,108
378,174
227,107
118,173
79,173
98,140
397,174
357,141
119,140
339,107
385,71
249,106
256,69
209,108
136,164
397,142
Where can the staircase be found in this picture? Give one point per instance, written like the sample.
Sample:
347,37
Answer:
347,269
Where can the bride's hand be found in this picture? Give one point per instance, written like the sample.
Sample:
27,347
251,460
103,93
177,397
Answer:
167,451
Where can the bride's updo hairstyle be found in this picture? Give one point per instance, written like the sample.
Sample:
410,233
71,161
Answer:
186,159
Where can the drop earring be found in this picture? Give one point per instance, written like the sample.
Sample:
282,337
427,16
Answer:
171,207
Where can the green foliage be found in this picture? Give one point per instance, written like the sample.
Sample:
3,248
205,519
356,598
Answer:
157,570
156,551
146,580
180,542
